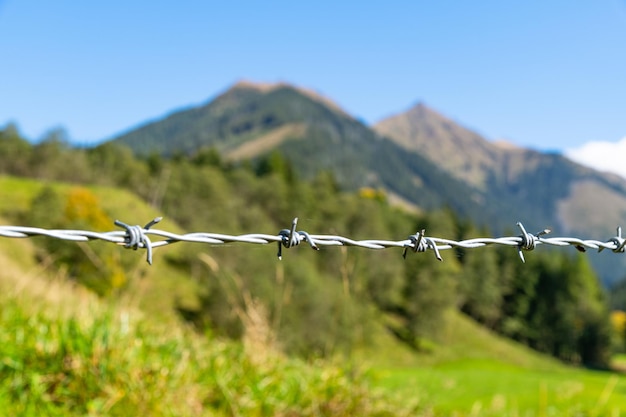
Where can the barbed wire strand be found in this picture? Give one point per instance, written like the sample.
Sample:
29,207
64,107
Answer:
137,237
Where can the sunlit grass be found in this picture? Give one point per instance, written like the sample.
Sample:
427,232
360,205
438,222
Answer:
112,361
618,362
65,352
474,372
496,388
21,191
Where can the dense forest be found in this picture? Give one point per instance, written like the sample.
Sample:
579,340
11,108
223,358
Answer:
316,303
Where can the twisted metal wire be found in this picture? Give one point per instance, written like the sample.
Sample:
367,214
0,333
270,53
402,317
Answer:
136,237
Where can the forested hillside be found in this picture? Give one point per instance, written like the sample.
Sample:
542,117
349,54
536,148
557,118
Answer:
67,352
248,122
419,157
312,304
545,188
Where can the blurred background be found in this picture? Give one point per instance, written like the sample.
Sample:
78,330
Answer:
371,121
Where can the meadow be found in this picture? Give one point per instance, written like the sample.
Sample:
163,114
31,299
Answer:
472,387
474,372
66,351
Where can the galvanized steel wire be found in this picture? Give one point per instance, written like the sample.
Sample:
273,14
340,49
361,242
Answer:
137,237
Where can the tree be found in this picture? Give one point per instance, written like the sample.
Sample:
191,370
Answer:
207,156
519,286
480,289
54,159
430,286
14,152
276,163
112,164
555,305
594,339
617,295
98,265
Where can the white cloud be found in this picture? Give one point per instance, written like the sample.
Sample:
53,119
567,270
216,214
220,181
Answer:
603,156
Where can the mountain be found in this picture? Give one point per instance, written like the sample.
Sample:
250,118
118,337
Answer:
547,188
459,151
561,193
249,121
419,157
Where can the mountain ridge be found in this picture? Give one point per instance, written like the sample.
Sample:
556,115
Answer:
419,156
502,169
312,135
445,142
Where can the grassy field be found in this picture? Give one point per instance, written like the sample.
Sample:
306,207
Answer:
65,352
473,372
619,362
490,388
152,290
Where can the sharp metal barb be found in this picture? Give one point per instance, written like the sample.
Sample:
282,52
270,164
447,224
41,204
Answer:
135,237
528,241
620,242
290,237
293,240
435,249
415,243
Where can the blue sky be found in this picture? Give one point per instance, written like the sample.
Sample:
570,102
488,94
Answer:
547,75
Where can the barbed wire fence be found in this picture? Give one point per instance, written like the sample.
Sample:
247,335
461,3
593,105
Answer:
137,237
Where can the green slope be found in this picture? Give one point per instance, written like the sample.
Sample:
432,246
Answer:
420,156
250,122
67,353
467,370
155,290
474,372
542,189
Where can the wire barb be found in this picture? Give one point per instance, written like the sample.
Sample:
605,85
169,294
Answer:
528,241
291,237
620,242
420,243
136,237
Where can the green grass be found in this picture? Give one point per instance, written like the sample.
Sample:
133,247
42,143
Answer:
474,372
109,364
18,193
155,290
496,389
20,190
65,352
459,337
619,361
